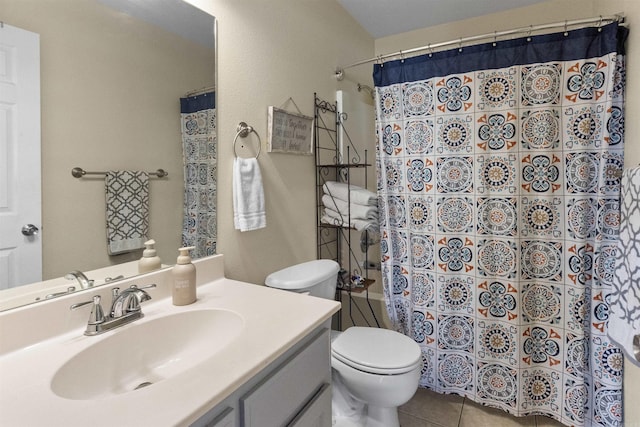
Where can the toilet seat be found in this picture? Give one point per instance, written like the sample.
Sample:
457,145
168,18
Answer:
376,351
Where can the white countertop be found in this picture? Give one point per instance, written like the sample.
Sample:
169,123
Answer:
273,322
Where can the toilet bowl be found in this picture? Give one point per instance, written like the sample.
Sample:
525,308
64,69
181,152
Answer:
373,370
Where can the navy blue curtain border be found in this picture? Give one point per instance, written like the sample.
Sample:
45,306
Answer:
205,101
543,48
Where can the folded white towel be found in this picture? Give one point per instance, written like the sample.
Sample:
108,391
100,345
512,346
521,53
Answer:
352,210
624,315
334,218
248,195
350,193
127,202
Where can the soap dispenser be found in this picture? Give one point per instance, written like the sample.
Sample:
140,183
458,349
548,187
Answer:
184,279
150,260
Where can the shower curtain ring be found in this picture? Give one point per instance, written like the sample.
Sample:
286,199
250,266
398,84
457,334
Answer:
401,57
600,24
460,45
495,38
430,50
529,33
566,33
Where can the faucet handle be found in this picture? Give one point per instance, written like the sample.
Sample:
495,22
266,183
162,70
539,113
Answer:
97,314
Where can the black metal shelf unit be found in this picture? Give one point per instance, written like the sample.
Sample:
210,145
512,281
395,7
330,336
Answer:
337,159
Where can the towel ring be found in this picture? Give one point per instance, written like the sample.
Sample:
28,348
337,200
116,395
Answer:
243,131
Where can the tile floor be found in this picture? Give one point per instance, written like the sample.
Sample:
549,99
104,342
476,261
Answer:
430,409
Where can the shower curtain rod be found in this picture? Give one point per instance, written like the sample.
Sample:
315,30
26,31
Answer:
600,20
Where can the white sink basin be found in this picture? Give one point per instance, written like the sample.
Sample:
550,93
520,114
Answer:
145,353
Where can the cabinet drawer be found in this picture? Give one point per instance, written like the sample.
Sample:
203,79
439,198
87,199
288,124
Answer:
278,398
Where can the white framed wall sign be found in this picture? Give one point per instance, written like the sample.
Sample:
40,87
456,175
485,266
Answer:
289,132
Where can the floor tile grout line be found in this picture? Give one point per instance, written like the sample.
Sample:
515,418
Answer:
464,399
421,418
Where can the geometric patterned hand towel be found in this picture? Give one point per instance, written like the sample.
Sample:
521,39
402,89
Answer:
127,199
624,316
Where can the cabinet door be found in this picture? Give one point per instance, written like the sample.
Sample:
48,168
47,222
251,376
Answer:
278,399
317,413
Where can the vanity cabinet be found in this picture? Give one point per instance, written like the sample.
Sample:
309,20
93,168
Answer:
226,419
294,390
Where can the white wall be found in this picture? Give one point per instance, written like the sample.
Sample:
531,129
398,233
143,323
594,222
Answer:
546,12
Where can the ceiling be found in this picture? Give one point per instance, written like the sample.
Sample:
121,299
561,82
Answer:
383,18
178,17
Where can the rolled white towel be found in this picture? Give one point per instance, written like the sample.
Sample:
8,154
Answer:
334,218
350,193
354,210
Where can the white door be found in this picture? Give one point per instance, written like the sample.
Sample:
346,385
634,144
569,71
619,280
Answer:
20,254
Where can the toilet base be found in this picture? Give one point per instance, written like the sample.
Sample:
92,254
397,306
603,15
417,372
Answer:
382,417
346,422
348,411
375,417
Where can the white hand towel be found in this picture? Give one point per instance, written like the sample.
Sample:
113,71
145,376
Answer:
354,210
127,210
624,309
350,193
248,195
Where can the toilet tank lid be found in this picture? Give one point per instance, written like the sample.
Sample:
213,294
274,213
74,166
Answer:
304,275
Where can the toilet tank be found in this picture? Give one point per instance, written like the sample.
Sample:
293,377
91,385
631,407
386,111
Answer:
318,278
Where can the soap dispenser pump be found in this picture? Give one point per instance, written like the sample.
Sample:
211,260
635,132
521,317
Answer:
184,278
150,260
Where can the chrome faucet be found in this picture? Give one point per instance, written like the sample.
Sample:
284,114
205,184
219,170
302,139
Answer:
128,301
125,308
84,282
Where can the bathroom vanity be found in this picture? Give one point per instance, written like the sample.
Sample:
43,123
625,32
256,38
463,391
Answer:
293,391
242,355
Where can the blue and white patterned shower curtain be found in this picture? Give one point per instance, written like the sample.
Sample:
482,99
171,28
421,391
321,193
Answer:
499,178
199,145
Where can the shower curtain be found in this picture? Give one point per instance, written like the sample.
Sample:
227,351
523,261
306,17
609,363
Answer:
199,146
498,180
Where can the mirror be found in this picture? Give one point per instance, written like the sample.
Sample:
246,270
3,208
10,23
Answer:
112,73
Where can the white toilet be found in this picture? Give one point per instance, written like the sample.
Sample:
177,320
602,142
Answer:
373,370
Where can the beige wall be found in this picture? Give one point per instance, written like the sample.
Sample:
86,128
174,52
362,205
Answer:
270,51
110,100
546,12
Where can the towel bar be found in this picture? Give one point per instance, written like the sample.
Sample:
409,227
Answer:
243,131
79,173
